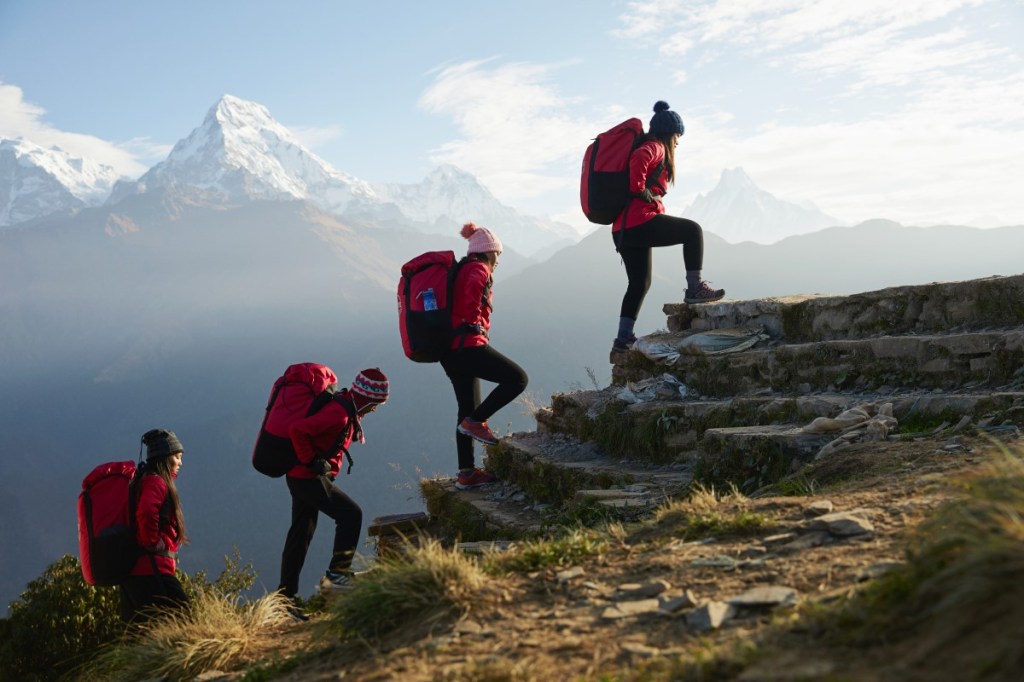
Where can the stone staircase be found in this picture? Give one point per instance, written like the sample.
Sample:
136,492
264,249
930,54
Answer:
899,363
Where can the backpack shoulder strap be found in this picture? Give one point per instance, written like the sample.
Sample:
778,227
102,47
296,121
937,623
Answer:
343,399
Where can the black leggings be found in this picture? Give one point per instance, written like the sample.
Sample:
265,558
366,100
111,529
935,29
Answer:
465,368
310,496
635,243
142,594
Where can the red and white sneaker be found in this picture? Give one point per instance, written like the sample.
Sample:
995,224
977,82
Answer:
703,293
478,431
474,478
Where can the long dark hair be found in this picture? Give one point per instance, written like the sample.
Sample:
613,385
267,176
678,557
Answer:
668,142
162,467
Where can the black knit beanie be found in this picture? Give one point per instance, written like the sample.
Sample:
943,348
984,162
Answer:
160,443
665,121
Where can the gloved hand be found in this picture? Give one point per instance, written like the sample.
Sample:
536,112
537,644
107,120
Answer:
320,467
647,195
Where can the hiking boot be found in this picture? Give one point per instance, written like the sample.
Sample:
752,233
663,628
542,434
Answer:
703,293
622,345
336,580
478,431
474,479
295,611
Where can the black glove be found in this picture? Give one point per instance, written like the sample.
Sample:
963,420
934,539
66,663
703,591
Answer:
647,195
320,467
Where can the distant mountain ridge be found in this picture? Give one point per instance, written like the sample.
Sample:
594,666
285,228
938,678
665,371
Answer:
241,153
737,210
36,181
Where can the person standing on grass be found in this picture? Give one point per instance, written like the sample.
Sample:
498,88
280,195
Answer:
471,357
159,531
644,224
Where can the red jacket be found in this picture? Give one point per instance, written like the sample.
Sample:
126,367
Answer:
318,434
472,304
644,161
153,529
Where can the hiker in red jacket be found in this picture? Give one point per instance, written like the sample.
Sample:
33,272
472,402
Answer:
644,224
471,358
321,441
159,531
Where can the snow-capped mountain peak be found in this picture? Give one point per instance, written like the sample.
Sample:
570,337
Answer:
737,210
449,197
241,151
36,181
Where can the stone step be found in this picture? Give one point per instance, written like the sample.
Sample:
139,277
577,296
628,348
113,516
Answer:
991,302
544,477
946,361
657,430
555,468
672,430
750,457
744,439
495,512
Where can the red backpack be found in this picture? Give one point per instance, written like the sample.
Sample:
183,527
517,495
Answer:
106,524
604,182
425,294
301,391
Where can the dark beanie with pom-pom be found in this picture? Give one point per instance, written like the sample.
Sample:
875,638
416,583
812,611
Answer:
665,121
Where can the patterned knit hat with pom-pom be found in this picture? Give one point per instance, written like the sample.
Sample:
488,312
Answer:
481,240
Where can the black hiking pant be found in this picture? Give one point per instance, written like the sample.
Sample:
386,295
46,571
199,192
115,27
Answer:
465,368
141,595
310,497
635,243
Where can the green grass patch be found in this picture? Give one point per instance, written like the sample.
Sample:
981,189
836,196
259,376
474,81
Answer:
428,584
565,550
704,513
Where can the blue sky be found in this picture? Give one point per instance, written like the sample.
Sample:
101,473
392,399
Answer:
911,110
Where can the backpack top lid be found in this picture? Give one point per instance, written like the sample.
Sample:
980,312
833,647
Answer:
126,469
318,377
445,258
295,391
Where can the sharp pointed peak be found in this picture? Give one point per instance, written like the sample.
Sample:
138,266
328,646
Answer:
735,176
235,111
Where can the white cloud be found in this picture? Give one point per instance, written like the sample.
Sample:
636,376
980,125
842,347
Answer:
514,125
872,40
923,127
19,118
925,164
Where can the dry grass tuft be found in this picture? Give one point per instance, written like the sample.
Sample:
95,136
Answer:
217,633
958,599
705,513
428,583
973,549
